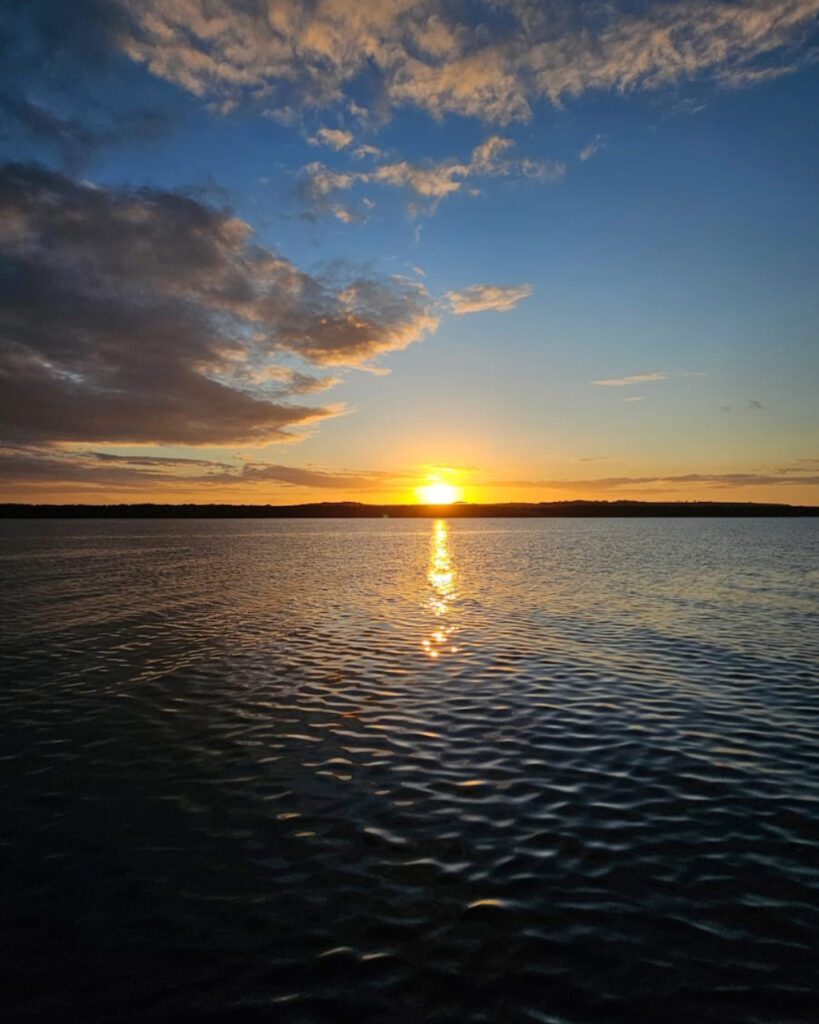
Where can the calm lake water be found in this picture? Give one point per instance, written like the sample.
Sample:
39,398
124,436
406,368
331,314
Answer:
410,771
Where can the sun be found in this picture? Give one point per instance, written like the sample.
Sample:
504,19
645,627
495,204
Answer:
437,492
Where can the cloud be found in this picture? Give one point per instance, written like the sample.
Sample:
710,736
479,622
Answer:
298,476
100,469
159,461
50,96
445,58
318,188
481,297
101,472
141,315
347,215
740,78
431,180
76,141
365,150
753,406
634,378
335,138
801,466
284,380
56,467
356,324
597,144
488,156
709,480
320,181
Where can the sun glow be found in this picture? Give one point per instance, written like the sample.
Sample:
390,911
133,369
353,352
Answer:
438,492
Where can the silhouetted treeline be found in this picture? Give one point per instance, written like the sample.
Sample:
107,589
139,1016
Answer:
357,510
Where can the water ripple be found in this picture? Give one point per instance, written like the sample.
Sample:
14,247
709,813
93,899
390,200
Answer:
556,771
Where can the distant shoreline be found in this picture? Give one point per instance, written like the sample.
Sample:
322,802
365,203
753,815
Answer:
358,510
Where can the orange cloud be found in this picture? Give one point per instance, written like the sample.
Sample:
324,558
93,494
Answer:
440,61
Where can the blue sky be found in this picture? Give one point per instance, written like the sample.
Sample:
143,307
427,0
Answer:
526,203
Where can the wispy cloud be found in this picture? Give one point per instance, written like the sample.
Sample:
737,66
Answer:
431,180
481,297
631,379
100,472
325,479
597,144
716,481
753,406
801,466
366,150
446,58
73,140
335,138
91,470
52,466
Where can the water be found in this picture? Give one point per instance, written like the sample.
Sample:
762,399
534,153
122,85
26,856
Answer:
410,771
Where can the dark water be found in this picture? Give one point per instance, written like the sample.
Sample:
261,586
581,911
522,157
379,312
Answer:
500,770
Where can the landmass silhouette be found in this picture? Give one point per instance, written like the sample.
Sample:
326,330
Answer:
359,510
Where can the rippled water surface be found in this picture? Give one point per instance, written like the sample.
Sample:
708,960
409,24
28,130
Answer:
410,771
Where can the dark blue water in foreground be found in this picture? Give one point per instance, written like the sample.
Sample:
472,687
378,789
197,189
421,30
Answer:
499,770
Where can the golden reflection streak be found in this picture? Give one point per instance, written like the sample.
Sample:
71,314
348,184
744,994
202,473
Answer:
441,576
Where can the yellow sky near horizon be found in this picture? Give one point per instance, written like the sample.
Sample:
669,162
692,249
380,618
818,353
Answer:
472,488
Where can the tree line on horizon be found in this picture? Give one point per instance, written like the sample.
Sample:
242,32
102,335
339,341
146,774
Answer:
578,508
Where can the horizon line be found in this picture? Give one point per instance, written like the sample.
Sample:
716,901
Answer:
349,508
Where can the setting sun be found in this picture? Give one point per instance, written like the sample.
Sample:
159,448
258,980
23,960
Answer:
436,492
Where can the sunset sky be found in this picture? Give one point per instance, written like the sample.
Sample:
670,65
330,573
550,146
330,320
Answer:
279,251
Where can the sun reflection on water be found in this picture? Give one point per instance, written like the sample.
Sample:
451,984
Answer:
441,576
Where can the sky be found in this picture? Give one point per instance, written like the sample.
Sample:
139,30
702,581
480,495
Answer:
270,251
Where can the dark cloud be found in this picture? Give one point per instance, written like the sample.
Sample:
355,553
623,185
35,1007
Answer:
65,40
49,467
138,315
56,94
366,318
253,473
76,139
158,461
46,466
